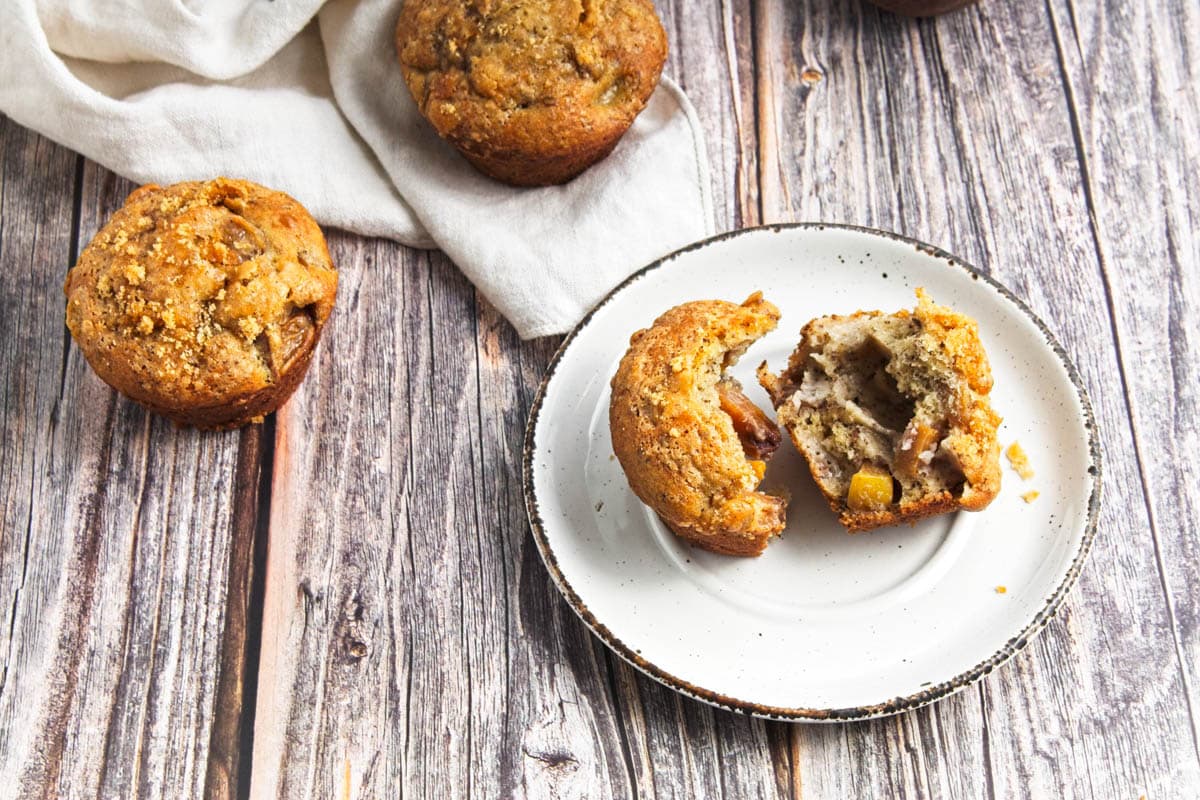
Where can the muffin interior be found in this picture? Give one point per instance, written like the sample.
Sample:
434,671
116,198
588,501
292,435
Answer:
875,392
757,433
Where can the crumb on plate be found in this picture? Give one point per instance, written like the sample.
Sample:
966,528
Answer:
1001,590
1030,496
1019,460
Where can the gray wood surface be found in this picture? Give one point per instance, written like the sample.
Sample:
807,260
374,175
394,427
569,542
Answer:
345,601
117,537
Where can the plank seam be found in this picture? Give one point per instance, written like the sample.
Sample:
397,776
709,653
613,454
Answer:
477,492
144,717
622,735
255,609
740,177
987,744
72,257
1093,225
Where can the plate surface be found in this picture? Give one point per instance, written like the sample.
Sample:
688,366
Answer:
824,625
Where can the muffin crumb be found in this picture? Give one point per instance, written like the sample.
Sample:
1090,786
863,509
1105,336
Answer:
1019,460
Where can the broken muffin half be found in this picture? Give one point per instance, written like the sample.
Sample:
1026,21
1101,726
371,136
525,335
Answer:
891,412
692,445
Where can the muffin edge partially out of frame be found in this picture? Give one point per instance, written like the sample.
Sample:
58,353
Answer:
531,95
203,301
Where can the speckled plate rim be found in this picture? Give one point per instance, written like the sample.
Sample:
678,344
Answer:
896,705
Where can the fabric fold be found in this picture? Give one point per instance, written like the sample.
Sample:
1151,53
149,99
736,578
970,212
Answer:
168,91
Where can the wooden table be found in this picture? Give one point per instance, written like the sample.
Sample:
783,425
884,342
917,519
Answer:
345,601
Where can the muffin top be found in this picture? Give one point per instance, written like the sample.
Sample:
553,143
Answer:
199,293
516,76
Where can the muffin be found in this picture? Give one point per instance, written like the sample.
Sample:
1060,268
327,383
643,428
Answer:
203,301
692,445
891,412
532,92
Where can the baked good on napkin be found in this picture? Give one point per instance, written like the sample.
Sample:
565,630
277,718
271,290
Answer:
532,92
203,301
692,445
891,412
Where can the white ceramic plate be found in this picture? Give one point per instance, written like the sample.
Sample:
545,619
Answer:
824,625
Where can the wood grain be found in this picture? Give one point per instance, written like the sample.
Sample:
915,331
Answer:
117,532
1130,73
711,57
411,637
408,641
913,127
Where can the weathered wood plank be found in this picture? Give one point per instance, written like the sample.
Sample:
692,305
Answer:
116,537
410,637
561,731
1131,75
35,245
679,747
1085,671
711,57
334,612
957,131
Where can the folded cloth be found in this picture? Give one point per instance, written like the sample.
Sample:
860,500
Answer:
307,97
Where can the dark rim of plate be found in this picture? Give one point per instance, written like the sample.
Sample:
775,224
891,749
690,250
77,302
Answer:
896,705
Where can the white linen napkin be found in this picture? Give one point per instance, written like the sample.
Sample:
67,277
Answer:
307,97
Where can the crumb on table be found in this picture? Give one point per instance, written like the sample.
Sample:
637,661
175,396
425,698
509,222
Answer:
1020,462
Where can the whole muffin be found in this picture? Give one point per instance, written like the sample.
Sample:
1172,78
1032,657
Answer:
532,92
203,301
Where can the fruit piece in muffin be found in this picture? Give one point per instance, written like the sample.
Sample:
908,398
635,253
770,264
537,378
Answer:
692,445
531,92
203,301
891,412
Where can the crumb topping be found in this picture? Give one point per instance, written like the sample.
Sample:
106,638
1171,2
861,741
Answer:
190,291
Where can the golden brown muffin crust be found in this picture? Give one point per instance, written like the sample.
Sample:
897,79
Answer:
203,300
531,91
678,448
